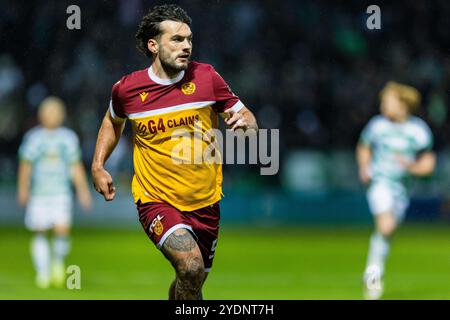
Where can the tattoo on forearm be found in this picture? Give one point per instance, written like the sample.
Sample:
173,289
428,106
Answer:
180,242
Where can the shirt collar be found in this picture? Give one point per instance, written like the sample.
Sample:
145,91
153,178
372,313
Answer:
164,82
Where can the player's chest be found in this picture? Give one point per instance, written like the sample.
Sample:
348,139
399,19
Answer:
51,150
152,97
396,140
164,126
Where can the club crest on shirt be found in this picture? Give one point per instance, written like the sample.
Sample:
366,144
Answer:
188,88
143,95
156,226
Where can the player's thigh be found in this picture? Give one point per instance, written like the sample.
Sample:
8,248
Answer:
37,215
206,227
61,216
400,207
171,232
380,198
61,229
181,249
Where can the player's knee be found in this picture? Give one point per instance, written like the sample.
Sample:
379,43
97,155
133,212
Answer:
61,230
386,227
191,270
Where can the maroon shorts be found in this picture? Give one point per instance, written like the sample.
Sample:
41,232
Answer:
160,220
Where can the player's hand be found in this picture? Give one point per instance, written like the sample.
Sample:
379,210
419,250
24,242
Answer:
103,184
364,175
236,120
404,162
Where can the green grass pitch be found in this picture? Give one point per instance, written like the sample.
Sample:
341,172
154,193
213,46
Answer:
264,263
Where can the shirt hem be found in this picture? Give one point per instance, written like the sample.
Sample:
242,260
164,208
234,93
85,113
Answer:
178,206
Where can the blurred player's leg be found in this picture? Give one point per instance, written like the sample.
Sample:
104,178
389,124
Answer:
378,253
61,247
37,221
380,240
382,203
40,253
184,254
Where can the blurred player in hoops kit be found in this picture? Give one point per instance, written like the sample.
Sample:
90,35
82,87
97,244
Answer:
177,203
50,159
393,147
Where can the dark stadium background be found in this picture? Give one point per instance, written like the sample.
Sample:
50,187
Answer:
309,68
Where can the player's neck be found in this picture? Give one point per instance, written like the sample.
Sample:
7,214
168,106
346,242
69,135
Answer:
400,119
164,73
50,129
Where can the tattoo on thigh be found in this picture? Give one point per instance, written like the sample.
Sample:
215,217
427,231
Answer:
181,242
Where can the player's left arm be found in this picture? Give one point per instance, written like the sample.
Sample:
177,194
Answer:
243,119
228,105
423,165
81,185
425,161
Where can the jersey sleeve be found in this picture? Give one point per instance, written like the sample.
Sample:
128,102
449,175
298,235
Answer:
224,97
424,139
28,150
115,104
368,133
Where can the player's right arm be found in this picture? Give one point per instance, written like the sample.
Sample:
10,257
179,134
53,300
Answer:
108,137
364,149
363,158
28,154
23,182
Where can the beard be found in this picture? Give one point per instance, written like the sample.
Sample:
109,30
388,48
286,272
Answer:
170,65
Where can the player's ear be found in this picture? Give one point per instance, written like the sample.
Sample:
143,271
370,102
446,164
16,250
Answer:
152,46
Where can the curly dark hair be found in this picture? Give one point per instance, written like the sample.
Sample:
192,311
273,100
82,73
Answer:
149,28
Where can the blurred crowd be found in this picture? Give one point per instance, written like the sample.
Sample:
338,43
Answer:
311,68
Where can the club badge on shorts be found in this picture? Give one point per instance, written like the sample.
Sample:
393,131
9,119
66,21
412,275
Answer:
156,226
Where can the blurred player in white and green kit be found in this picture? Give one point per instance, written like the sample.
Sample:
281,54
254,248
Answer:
394,146
50,160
